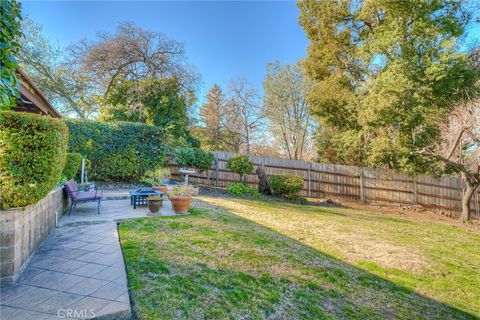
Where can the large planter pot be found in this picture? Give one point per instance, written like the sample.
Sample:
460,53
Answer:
180,204
154,205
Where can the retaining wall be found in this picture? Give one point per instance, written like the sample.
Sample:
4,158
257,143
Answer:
23,230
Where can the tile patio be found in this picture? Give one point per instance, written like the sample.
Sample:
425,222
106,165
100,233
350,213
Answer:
79,272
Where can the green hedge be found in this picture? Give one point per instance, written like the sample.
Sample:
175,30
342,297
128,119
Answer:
33,149
242,190
119,151
72,165
285,185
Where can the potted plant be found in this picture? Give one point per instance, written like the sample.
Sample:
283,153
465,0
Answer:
180,196
157,178
154,204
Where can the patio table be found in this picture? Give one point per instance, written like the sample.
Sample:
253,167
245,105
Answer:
139,197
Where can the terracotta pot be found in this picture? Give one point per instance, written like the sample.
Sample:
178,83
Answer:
154,205
181,204
162,188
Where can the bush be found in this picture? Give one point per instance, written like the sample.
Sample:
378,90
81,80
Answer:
157,177
285,185
243,190
72,165
240,165
121,151
10,20
33,149
194,158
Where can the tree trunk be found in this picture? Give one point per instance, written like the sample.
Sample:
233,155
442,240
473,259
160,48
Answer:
263,186
467,197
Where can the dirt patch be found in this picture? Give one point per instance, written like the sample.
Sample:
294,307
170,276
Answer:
358,247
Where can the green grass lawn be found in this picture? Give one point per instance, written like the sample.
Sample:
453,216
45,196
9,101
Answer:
245,259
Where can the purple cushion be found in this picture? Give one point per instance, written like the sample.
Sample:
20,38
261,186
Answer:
71,187
88,195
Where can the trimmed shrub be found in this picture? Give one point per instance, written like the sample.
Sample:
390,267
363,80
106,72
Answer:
240,164
243,190
285,185
120,151
72,165
33,150
199,159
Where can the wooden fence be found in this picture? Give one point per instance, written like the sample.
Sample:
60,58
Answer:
349,182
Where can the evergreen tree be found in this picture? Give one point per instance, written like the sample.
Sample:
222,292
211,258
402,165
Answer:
385,73
210,113
222,128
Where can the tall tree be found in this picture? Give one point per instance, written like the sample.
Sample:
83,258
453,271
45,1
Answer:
211,113
459,148
385,74
80,79
70,90
286,109
159,102
10,19
133,53
243,118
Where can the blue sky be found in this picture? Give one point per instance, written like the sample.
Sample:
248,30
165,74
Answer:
222,39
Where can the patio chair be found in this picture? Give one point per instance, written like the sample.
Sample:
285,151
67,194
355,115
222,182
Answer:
77,194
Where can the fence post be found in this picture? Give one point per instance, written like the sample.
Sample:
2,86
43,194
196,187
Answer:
415,190
309,179
362,191
216,171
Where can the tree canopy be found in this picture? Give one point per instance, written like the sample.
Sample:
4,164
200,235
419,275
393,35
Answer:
69,89
133,54
232,122
385,73
159,102
10,19
288,114
80,79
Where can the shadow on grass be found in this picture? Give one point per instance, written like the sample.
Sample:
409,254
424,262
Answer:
215,264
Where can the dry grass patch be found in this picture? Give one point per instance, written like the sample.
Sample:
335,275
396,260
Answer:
337,239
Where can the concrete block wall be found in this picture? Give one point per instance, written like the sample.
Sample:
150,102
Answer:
23,230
